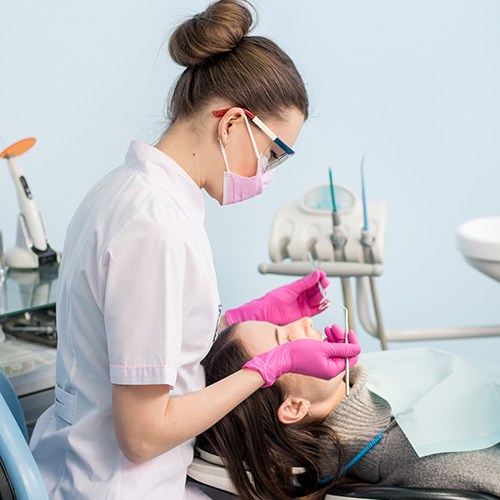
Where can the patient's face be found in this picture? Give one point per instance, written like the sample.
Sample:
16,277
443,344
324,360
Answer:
261,336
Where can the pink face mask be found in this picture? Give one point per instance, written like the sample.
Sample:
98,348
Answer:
239,188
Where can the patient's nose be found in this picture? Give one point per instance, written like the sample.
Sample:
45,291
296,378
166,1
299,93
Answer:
301,328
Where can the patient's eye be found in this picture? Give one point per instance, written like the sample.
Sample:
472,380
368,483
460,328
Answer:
281,336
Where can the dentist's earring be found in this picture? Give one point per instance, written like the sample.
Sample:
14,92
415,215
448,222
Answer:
309,412
223,144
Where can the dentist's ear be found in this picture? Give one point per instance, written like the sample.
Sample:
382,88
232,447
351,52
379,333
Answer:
230,118
293,410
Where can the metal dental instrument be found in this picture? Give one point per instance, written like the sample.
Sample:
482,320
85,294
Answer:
325,302
346,340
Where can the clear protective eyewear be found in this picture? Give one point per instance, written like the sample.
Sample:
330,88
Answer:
277,152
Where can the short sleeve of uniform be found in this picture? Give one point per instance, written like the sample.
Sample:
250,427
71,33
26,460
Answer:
144,274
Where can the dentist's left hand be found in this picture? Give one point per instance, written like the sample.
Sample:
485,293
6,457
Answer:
306,357
285,304
336,335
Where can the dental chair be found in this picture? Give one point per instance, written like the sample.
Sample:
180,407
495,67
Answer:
20,478
9,395
209,474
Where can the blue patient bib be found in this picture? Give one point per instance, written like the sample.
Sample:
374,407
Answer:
441,401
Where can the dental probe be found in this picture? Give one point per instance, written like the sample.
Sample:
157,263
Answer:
324,301
346,340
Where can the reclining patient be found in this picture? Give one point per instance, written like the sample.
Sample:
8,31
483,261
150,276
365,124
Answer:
297,436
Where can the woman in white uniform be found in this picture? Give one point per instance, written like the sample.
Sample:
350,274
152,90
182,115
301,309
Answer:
137,284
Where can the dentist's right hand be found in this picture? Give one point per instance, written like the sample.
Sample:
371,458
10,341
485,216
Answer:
305,357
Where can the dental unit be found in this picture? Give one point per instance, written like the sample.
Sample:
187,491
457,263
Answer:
347,240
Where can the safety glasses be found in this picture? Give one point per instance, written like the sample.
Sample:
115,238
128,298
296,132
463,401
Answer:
277,152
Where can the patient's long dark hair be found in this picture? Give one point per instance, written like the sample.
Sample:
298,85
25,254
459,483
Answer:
251,437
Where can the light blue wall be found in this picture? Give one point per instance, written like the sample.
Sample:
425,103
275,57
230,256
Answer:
414,84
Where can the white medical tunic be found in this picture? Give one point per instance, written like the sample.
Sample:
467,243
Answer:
138,304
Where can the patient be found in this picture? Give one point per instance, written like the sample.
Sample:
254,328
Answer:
296,436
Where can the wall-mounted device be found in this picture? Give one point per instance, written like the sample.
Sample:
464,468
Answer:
32,249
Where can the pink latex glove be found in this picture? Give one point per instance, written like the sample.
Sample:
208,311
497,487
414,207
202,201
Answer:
285,304
336,335
306,357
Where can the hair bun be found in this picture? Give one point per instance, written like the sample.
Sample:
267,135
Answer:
215,31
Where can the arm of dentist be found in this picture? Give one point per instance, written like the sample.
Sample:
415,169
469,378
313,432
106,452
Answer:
148,422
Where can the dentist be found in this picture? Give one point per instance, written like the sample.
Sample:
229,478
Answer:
138,306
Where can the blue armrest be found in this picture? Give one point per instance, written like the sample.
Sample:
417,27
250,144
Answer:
9,394
18,462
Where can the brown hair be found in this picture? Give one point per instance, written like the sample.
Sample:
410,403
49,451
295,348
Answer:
222,61
251,437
